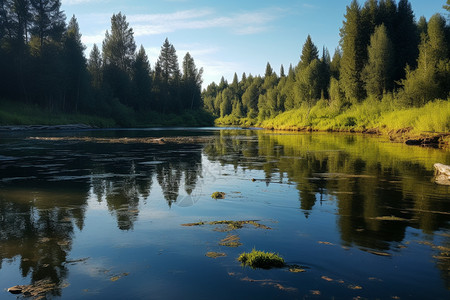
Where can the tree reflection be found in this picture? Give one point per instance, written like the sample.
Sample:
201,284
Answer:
38,226
378,192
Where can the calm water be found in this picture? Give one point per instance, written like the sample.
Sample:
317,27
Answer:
104,220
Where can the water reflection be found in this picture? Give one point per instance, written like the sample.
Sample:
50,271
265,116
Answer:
378,189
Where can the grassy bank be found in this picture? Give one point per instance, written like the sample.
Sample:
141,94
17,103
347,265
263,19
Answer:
369,116
12,113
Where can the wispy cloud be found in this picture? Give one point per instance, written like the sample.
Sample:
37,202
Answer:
75,2
240,23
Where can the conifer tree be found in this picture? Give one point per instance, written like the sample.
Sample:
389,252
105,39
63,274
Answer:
353,54
142,81
75,75
282,71
119,46
431,78
309,53
192,82
95,67
405,39
378,72
335,64
48,21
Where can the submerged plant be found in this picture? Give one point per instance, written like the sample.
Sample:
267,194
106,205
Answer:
261,259
218,195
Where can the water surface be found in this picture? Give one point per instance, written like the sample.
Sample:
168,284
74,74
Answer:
360,215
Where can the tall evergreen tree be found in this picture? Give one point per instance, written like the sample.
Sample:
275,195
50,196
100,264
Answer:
171,77
378,72
353,54
119,46
48,21
335,64
309,53
282,71
142,81
405,39
431,79
75,76
192,82
94,66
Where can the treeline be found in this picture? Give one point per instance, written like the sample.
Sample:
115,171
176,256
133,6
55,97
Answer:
42,63
384,55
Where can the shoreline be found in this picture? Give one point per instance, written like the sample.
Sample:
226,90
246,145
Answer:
404,135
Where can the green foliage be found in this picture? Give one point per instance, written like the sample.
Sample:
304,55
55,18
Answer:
377,74
47,67
353,54
119,46
261,259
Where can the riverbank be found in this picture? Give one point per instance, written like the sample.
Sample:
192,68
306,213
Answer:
427,125
16,116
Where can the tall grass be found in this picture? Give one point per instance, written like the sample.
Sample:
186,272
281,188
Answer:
370,114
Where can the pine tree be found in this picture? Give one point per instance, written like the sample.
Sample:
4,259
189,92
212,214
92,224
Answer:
119,46
309,53
335,64
48,21
75,75
405,40
378,72
142,81
353,54
431,78
170,78
95,67
192,82
282,71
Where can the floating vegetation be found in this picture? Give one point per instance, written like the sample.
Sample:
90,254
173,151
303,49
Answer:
379,253
270,282
230,241
117,277
261,259
37,290
218,195
230,225
390,218
125,140
296,269
215,254
325,243
355,287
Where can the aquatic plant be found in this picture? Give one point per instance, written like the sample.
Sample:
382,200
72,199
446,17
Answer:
261,259
218,195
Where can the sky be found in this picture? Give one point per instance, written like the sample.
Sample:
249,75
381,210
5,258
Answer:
228,36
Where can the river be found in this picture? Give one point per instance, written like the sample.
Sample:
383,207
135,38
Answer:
99,214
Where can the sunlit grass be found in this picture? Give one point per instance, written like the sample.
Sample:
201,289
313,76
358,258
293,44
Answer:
370,114
261,259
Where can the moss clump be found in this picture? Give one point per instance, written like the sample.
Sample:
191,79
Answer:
261,259
215,254
218,195
231,241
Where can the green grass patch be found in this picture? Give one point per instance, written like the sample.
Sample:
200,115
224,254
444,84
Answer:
384,115
261,259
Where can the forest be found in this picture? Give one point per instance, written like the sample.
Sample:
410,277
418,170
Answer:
45,73
389,71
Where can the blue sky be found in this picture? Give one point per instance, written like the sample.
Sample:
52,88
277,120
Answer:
225,36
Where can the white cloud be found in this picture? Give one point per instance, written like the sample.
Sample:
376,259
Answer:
75,2
240,23
93,39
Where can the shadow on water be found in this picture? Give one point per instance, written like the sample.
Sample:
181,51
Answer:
379,190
